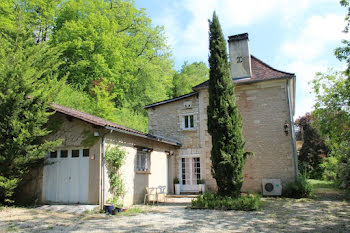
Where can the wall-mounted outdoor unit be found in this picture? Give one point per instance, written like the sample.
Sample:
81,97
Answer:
271,187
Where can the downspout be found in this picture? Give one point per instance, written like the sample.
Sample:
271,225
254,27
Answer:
292,133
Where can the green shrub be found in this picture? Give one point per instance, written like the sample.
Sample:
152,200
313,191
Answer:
214,201
330,167
298,189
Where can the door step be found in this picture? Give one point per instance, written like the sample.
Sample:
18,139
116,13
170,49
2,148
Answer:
178,200
183,196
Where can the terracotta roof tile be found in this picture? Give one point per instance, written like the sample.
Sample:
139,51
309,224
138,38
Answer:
260,72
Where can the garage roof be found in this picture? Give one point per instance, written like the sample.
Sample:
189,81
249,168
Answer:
109,124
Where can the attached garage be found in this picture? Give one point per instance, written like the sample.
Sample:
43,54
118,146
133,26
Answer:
76,173
66,176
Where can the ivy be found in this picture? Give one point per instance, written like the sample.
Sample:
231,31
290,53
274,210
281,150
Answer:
115,159
55,123
90,139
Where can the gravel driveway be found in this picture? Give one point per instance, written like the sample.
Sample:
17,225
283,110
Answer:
278,215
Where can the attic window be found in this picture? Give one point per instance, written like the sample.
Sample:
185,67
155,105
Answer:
188,104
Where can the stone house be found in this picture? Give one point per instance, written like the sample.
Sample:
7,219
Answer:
266,101
178,144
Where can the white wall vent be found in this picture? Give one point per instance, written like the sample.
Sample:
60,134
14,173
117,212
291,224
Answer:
188,104
271,187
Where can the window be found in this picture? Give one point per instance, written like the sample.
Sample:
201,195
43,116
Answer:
143,160
64,153
183,167
53,154
75,153
188,122
197,169
86,153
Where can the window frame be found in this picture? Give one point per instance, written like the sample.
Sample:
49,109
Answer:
188,121
66,156
75,150
147,160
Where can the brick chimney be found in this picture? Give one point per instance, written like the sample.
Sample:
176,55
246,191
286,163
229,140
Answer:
240,62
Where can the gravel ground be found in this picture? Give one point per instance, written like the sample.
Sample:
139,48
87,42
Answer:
326,214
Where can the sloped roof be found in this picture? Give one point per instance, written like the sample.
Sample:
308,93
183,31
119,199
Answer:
171,100
98,121
260,72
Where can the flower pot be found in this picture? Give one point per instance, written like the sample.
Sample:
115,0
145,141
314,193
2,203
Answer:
202,188
108,208
177,189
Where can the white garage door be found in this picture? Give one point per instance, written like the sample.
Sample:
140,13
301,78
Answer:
66,177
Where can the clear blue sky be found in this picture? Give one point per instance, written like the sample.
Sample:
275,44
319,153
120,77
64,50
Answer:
297,36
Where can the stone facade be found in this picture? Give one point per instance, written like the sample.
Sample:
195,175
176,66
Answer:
264,110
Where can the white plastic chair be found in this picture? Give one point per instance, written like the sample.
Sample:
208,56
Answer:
150,192
161,191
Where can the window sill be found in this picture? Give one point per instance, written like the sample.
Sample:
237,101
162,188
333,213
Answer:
143,172
190,129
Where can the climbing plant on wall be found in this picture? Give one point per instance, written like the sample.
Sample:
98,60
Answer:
114,160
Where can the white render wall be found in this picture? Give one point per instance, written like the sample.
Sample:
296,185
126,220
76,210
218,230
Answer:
135,182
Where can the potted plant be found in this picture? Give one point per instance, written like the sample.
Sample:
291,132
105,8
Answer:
201,184
177,185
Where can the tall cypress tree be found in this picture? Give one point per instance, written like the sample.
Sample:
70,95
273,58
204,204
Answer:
224,121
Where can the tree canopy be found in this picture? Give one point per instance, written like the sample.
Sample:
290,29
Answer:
189,76
332,108
100,40
24,103
313,150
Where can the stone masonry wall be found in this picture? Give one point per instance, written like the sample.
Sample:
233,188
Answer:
264,109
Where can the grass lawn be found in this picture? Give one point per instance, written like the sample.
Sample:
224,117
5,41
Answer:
317,184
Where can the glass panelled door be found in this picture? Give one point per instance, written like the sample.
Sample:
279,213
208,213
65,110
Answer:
190,174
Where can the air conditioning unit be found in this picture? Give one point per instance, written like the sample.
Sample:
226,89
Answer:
271,187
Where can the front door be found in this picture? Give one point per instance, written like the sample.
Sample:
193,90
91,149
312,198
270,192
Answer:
190,174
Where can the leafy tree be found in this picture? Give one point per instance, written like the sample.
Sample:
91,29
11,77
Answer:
24,104
313,148
224,121
332,117
113,41
332,108
37,17
189,76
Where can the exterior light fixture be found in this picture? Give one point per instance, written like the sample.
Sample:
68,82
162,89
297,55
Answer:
96,134
286,128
